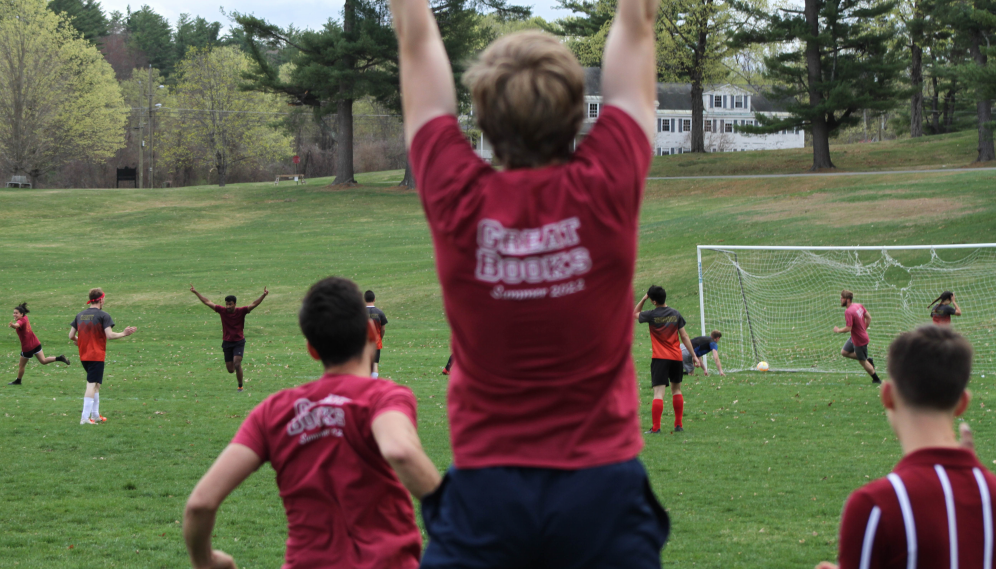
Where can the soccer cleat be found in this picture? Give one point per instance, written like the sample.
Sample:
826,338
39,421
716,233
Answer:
88,422
446,371
876,381
62,358
652,432
99,419
679,430
239,390
15,382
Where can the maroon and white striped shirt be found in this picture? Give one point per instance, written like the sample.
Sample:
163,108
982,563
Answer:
934,511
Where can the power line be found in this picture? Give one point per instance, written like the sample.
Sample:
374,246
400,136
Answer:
175,109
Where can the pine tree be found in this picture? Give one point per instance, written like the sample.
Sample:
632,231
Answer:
87,17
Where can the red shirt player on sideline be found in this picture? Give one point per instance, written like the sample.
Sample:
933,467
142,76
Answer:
935,509
344,448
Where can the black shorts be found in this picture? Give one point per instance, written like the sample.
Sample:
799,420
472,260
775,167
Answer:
665,372
94,371
233,349
30,353
860,352
377,357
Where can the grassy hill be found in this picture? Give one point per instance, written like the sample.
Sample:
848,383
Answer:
758,479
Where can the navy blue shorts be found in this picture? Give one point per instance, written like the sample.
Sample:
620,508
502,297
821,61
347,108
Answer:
232,349
94,371
604,517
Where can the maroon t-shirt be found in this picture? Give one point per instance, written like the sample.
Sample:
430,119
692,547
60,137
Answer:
28,339
854,317
536,267
232,323
345,505
934,510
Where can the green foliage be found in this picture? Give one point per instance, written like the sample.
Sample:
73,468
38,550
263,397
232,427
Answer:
86,16
195,33
58,97
692,40
152,34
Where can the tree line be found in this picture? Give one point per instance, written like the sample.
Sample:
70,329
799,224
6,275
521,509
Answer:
83,92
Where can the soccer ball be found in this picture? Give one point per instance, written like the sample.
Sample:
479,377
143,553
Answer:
763,366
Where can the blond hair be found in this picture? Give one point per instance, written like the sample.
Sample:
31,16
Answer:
528,92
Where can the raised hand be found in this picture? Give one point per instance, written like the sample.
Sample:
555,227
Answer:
130,330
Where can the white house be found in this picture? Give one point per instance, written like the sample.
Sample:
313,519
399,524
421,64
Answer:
727,107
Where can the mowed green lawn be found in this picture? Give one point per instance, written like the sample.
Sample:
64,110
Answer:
757,480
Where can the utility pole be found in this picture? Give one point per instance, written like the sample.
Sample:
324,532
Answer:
152,182
141,145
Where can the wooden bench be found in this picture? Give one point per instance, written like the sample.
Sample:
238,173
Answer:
19,182
298,178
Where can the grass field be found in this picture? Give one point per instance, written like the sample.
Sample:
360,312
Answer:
757,480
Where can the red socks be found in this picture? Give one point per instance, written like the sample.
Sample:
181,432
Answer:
679,408
656,410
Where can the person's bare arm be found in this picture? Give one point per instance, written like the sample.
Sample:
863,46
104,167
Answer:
233,465
955,304
839,330
257,302
427,88
629,65
688,346
203,299
639,306
14,325
72,334
719,366
400,446
868,319
112,335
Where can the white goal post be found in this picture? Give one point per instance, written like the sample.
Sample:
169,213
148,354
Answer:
780,304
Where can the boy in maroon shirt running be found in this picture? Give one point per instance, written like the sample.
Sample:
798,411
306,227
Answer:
233,321
935,508
344,448
543,407
857,319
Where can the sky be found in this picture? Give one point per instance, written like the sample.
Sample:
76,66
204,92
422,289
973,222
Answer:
301,13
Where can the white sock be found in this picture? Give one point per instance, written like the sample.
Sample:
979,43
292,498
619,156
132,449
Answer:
374,375
87,406
95,412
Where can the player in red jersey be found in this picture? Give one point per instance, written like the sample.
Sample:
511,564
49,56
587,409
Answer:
935,508
233,321
945,309
344,447
667,336
90,331
379,319
30,345
857,319
543,406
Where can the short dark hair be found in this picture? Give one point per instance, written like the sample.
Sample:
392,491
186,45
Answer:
930,366
95,293
369,296
334,320
22,308
716,334
847,294
657,294
230,298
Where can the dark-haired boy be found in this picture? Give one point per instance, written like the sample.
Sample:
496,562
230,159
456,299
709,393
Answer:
233,322
344,447
667,336
379,319
857,319
543,407
935,508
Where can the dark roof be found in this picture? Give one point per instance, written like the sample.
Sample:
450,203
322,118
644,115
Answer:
678,96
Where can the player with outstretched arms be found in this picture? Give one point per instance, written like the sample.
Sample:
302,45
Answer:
344,447
857,319
30,345
943,308
233,322
543,405
935,509
90,331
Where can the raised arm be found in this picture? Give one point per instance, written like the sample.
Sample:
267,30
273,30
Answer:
400,446
629,65
256,302
639,306
203,299
427,88
112,335
955,304
234,465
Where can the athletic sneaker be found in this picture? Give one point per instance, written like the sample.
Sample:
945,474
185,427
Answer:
240,390
15,382
652,432
679,430
100,419
62,358
88,422
876,381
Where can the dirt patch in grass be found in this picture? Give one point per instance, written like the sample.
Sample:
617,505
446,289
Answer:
821,209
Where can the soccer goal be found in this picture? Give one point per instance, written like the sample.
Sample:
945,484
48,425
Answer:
780,304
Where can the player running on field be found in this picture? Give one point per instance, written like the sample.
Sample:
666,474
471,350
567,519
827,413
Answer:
935,509
90,331
233,322
379,319
945,308
856,318
667,338
344,448
30,345
703,345
536,263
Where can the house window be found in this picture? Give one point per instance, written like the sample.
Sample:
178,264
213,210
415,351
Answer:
593,110
728,127
738,102
717,101
708,126
686,124
665,125
713,149
743,150
672,151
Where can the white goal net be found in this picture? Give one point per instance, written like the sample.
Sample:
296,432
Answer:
780,304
